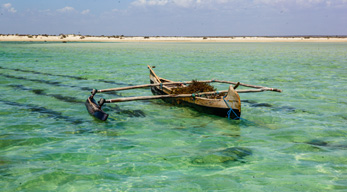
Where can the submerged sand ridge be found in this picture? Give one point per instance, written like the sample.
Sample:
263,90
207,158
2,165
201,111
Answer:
88,38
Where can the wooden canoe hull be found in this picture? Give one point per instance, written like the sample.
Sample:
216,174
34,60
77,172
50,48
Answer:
210,106
223,112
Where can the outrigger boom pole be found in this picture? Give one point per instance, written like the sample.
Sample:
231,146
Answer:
186,82
102,101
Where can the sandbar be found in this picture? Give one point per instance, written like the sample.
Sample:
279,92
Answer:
87,38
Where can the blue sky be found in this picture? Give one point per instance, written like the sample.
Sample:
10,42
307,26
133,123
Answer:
174,17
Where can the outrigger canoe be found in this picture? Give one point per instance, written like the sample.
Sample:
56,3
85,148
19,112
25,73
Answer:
225,103
220,104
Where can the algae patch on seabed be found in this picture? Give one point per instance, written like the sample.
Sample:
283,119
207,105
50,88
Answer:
224,156
317,142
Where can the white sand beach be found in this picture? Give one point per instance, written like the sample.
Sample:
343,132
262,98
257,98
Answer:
87,38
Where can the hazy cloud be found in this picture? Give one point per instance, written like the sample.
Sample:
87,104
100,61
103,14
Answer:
250,3
149,2
66,9
84,12
302,3
9,8
185,3
180,3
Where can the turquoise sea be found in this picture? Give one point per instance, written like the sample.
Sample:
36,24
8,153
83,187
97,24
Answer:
289,141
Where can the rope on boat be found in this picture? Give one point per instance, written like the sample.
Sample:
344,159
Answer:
193,95
231,110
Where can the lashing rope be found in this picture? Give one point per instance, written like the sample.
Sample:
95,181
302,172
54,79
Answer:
231,110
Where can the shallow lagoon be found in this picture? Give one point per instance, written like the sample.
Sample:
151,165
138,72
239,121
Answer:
290,141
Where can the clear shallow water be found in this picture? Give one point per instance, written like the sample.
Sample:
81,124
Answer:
290,141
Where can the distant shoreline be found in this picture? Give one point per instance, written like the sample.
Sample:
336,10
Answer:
87,38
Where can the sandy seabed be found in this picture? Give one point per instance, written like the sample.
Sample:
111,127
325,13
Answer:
81,38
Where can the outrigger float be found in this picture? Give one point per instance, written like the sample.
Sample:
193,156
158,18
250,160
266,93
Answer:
225,103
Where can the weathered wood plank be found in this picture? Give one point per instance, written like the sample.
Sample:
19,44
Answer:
146,85
248,85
